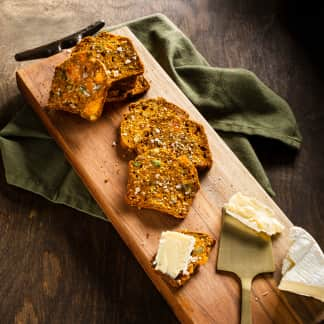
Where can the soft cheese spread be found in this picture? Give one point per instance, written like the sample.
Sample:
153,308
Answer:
303,267
174,253
253,214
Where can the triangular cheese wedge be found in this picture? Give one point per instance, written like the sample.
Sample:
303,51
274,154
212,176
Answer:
303,267
253,214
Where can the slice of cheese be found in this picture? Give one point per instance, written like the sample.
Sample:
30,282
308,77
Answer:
253,214
174,253
303,267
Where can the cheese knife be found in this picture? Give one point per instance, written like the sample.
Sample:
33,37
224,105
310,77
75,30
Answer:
246,253
58,45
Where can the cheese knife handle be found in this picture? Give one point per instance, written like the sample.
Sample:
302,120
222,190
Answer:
246,316
57,46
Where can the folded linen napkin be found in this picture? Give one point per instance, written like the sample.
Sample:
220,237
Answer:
234,101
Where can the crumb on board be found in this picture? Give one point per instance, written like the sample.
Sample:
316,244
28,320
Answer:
147,235
106,180
114,143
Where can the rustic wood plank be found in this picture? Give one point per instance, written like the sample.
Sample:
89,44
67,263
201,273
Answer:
96,160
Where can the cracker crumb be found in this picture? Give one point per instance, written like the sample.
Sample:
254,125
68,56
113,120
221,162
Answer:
33,213
114,143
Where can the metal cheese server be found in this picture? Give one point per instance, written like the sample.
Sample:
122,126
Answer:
58,45
245,253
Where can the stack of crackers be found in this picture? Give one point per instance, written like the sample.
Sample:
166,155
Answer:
101,68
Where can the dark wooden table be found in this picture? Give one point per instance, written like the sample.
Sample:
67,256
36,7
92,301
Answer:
61,266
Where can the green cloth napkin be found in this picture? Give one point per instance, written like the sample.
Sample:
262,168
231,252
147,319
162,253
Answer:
234,101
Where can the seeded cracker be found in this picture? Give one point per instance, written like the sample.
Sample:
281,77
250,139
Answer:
119,57
155,123
79,86
138,120
159,180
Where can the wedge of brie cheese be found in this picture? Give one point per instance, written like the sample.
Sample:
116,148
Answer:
303,267
174,253
253,214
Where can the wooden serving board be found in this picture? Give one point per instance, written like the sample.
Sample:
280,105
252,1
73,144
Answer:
209,297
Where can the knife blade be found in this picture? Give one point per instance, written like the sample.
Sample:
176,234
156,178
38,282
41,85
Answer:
58,45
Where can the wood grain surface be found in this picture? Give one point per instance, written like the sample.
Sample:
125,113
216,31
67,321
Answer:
61,266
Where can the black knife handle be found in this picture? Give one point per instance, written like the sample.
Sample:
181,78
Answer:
57,46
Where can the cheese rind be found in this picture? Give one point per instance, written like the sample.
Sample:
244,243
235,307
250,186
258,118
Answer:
303,267
174,253
253,214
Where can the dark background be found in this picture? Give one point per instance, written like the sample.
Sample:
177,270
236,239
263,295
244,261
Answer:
58,265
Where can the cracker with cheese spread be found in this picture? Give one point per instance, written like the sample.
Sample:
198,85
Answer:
180,254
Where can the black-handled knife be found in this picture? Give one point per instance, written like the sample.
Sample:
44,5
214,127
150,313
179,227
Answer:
57,46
